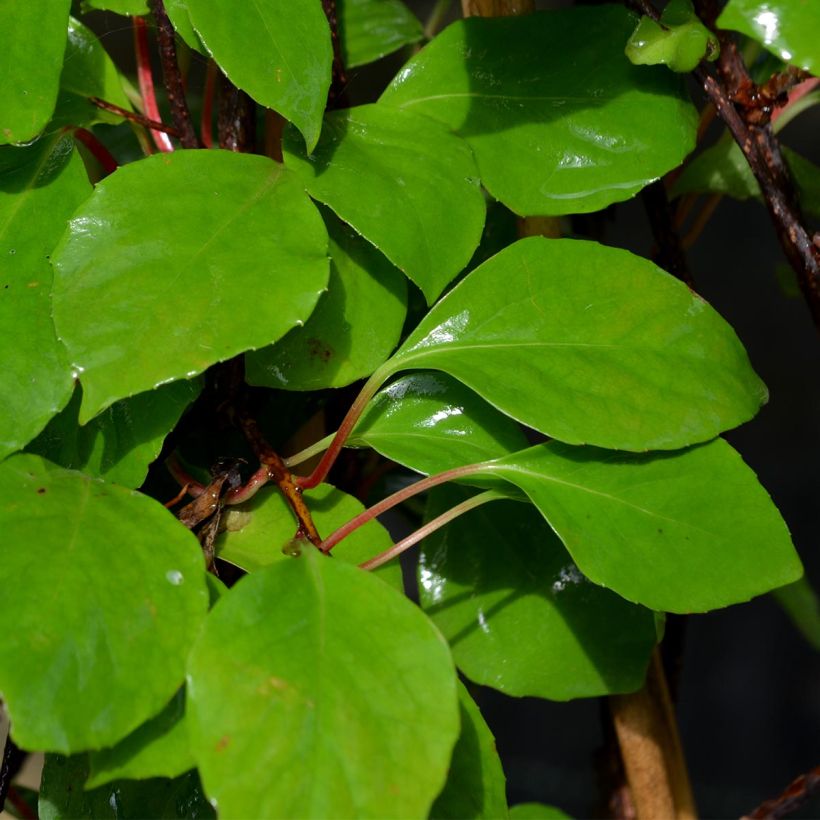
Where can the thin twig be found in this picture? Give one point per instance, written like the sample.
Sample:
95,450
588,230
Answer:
430,527
206,121
172,76
797,793
12,758
153,125
145,78
236,118
391,501
436,18
670,251
106,159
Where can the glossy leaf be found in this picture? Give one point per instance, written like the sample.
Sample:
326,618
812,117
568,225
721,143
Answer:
369,29
34,38
342,703
260,532
802,605
180,18
158,748
120,443
88,71
62,796
340,342
677,532
722,169
429,422
558,123
788,28
589,344
120,593
476,786
40,186
229,259
679,40
277,51
536,811
403,182
519,615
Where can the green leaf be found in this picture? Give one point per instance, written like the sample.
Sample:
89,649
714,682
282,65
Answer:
403,182
519,615
431,423
340,342
678,532
88,71
476,786
279,52
63,798
120,443
180,18
34,38
722,169
589,344
561,123
158,748
103,594
132,8
186,259
257,533
679,41
40,186
536,811
802,605
339,702
369,29
789,29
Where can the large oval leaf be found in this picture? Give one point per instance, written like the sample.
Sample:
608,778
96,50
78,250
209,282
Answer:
589,344
104,592
318,691
40,186
119,444
788,28
34,37
277,50
519,615
340,343
231,257
404,183
257,533
476,786
560,123
369,29
430,423
678,532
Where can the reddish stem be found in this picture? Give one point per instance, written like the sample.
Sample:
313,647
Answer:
146,83
206,122
392,500
97,149
156,125
183,478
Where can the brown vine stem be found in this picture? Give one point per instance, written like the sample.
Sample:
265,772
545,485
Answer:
206,121
274,468
172,76
391,501
153,125
236,118
650,747
145,77
797,793
430,527
336,96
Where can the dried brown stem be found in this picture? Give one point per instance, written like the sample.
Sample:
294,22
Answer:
236,118
172,77
797,793
282,477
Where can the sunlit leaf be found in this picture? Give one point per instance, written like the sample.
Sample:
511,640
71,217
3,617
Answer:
229,258
519,615
589,344
403,182
560,123
340,702
120,595
40,186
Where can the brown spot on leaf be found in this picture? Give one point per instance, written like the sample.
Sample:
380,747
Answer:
41,490
319,350
224,742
